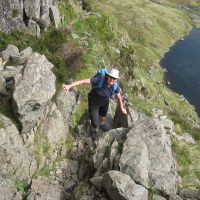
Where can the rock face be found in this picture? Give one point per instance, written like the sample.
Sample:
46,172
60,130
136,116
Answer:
8,191
44,189
147,156
120,186
34,92
67,103
36,15
15,161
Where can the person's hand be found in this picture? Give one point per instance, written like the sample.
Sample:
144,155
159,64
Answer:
124,111
66,87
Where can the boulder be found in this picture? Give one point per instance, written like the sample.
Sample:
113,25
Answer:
147,156
168,125
34,92
21,57
10,50
44,189
120,186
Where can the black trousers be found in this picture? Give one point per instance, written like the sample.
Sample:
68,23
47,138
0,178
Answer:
97,107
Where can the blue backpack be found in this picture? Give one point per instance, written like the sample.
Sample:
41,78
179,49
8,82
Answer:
102,72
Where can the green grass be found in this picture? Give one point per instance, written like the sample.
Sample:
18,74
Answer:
67,12
44,171
41,146
185,127
188,162
20,185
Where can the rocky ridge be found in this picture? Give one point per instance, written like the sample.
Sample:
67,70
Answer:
132,161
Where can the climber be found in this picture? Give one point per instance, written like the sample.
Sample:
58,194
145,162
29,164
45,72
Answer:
104,85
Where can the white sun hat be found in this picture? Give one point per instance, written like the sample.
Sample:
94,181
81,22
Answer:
113,73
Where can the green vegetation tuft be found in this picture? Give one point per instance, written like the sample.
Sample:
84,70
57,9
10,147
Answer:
15,13
20,185
41,146
68,145
44,171
1,124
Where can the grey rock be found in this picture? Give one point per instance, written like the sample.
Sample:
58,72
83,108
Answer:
97,182
34,92
1,64
120,186
44,189
189,193
10,50
147,156
22,57
12,71
15,161
186,137
8,190
157,197
16,14
168,125
175,197
53,127
12,75
67,103
2,84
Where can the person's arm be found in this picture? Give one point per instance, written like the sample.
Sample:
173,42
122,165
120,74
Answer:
76,83
120,102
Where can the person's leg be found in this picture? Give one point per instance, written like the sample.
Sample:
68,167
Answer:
94,115
102,116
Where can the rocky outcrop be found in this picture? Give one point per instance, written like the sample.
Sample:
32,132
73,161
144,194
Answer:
15,161
120,186
147,156
35,15
34,92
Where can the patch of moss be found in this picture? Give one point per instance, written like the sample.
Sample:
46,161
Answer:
1,124
15,13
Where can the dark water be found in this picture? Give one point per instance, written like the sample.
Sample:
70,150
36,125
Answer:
183,68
